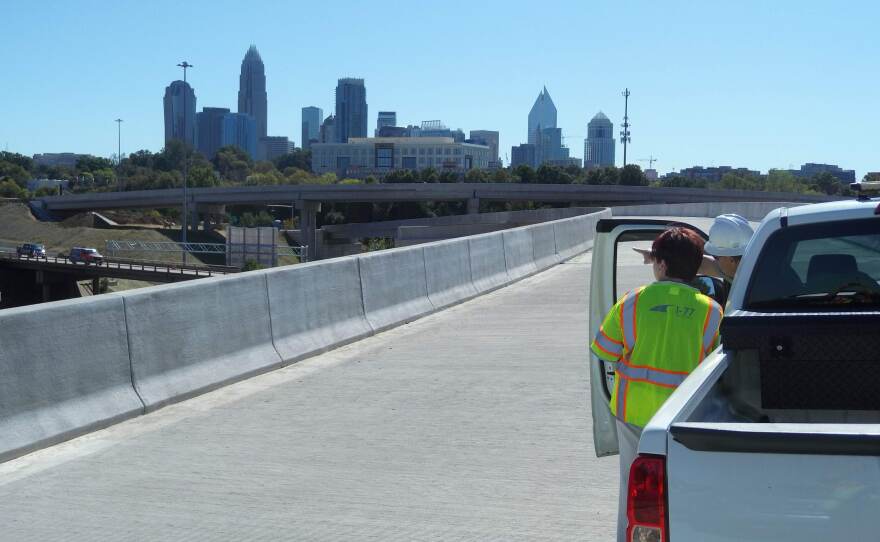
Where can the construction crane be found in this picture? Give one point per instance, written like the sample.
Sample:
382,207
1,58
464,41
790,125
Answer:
650,161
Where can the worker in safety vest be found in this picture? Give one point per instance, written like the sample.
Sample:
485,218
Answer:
655,336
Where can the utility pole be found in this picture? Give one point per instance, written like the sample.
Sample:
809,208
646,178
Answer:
624,134
118,152
184,65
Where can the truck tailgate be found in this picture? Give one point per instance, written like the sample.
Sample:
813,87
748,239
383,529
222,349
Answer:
773,482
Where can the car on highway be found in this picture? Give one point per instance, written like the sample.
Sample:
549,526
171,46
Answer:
776,434
85,255
31,250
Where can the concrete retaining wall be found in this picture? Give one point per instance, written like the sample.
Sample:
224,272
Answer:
519,252
192,337
69,367
544,246
315,307
750,210
448,268
64,371
394,286
488,265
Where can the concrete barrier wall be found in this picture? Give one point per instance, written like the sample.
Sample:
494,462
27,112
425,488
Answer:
488,266
394,286
448,272
315,307
750,210
69,367
519,252
64,371
569,235
189,338
544,246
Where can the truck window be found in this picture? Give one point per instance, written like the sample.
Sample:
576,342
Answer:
831,266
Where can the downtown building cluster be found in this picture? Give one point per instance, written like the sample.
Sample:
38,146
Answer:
215,127
340,143
545,141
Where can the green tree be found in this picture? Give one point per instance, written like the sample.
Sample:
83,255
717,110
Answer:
827,183
14,172
20,160
233,163
631,175
92,163
10,189
429,175
524,173
299,158
476,176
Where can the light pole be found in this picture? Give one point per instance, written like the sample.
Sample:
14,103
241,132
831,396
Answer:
624,134
184,65
118,152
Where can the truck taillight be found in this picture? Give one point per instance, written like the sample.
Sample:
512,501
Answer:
646,500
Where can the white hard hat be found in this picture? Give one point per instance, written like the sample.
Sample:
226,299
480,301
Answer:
728,236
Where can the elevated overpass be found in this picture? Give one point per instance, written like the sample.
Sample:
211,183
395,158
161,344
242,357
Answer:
406,422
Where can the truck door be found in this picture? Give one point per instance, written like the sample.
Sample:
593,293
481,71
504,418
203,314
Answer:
615,270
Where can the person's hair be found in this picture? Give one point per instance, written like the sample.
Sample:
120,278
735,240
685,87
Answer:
681,249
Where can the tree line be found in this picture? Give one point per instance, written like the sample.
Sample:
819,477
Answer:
231,166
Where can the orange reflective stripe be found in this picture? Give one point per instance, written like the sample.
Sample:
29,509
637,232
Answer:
602,331
648,375
710,328
629,363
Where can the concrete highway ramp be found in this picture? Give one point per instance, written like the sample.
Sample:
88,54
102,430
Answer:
469,423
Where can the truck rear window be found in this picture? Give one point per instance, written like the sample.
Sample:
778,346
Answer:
828,267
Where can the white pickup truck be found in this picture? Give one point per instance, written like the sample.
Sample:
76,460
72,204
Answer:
776,435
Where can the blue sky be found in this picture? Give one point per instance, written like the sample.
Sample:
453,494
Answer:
747,83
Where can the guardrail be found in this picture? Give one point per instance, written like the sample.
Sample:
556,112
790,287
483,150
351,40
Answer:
129,265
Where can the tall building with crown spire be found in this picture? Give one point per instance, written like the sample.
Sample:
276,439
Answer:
252,89
541,117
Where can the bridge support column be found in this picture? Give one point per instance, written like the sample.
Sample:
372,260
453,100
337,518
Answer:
40,277
473,206
96,286
194,218
308,222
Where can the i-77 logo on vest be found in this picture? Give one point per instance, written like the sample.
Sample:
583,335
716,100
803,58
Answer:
677,310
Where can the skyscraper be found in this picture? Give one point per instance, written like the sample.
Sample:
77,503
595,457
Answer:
385,118
328,130
489,138
542,116
599,145
210,130
252,89
240,130
311,125
178,126
351,109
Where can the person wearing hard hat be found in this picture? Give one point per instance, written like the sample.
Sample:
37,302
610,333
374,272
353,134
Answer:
728,238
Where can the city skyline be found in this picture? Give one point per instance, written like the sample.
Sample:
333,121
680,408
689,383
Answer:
756,101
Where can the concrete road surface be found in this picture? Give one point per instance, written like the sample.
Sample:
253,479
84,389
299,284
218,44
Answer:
471,424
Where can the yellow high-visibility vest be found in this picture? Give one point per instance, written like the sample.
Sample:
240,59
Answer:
655,335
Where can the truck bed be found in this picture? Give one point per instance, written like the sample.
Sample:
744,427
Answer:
760,453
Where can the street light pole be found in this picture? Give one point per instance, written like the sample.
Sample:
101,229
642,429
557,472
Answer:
184,65
118,152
